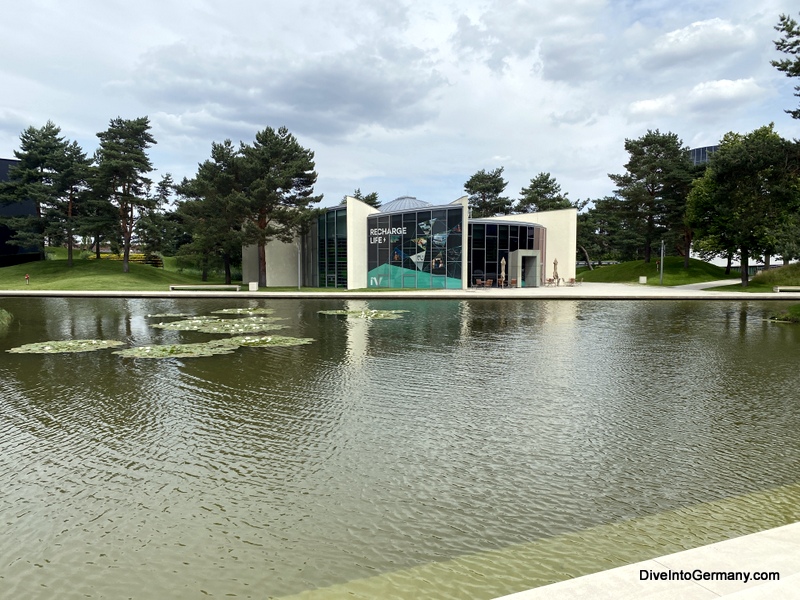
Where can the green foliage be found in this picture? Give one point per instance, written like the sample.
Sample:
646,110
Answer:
654,188
747,202
785,275
674,272
543,193
790,315
122,166
371,198
278,176
52,173
485,191
216,209
789,44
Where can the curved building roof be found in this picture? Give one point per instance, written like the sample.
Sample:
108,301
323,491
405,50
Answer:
404,203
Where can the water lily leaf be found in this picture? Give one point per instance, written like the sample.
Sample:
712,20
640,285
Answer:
367,314
178,350
268,340
221,325
63,346
244,311
191,324
212,348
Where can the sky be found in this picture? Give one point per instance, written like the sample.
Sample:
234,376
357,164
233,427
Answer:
400,97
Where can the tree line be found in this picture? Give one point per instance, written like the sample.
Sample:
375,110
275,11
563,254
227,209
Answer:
743,203
245,194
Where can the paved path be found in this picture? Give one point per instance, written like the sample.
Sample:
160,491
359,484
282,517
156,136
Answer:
597,291
774,550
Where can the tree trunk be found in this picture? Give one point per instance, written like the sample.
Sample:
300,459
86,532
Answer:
728,265
262,266
588,260
226,259
745,267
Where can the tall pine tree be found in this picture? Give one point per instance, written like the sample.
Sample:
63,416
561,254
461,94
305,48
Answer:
122,168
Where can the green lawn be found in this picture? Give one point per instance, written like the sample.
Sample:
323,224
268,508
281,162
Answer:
92,275
674,272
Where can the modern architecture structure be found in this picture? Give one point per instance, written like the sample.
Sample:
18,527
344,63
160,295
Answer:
409,243
11,254
701,155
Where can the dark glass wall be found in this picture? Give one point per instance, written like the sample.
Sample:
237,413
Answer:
491,242
415,249
332,248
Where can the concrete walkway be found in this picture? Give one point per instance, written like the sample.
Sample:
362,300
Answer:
584,291
772,551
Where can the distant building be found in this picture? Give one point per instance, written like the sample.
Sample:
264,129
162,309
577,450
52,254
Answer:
9,253
410,243
702,155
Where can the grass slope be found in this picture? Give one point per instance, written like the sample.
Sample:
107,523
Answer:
674,273
93,275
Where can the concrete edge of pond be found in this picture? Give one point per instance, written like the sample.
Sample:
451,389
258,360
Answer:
773,550
585,291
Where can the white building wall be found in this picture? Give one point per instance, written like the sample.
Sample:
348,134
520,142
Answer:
281,264
465,277
562,237
249,264
357,213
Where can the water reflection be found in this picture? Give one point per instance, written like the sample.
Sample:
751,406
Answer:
465,426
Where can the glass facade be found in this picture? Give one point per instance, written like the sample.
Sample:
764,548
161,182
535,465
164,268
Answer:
700,156
416,249
332,248
490,242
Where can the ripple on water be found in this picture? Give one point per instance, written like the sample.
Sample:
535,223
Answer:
441,447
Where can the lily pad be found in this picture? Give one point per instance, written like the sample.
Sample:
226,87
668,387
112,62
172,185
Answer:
178,350
244,311
220,325
367,314
267,340
64,346
212,348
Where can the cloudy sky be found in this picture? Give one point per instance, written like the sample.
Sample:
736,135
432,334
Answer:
400,97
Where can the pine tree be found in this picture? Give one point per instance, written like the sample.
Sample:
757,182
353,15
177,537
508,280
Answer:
122,166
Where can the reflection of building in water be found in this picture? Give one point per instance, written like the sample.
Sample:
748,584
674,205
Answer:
357,335
409,243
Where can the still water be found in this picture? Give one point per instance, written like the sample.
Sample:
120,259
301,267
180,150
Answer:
467,450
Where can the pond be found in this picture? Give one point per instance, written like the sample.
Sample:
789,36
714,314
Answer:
465,449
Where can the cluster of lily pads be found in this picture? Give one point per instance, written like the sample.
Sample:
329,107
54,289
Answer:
366,313
242,329
212,348
58,347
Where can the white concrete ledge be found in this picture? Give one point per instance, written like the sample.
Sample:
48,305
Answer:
772,551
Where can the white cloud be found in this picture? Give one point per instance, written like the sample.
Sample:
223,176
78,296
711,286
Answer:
400,96
700,42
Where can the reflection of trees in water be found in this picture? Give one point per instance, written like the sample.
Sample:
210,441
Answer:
705,384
